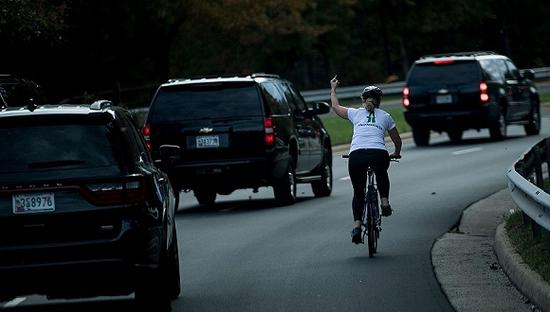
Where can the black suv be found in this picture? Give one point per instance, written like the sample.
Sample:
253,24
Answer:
240,132
469,90
16,91
83,209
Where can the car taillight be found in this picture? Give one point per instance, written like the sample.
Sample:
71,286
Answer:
147,135
406,102
443,62
116,192
483,94
269,132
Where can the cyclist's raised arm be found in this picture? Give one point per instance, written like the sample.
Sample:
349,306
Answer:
338,109
396,139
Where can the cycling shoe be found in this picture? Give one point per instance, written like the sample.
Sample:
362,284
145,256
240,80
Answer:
386,211
356,236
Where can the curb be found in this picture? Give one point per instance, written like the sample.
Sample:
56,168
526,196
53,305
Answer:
526,280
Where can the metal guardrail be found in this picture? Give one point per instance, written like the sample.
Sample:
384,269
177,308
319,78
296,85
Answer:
526,184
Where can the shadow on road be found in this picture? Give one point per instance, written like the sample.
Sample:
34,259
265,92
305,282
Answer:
238,206
471,141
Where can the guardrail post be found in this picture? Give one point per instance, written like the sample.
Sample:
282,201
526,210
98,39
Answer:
535,228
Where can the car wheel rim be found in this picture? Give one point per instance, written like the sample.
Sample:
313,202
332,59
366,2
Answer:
292,184
536,119
502,125
328,176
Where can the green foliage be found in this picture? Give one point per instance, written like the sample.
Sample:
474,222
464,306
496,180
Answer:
28,20
77,46
534,251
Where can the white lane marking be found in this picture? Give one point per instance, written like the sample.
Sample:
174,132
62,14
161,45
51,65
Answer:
345,178
14,302
467,151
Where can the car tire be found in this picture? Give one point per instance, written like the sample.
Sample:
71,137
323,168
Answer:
323,187
455,135
172,272
285,186
498,130
421,136
205,197
533,127
158,288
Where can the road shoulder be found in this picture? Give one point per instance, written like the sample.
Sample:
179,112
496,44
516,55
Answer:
465,263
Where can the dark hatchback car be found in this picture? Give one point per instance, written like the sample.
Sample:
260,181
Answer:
83,210
240,132
469,90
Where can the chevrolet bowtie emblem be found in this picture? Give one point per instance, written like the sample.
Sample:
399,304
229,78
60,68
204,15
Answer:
206,130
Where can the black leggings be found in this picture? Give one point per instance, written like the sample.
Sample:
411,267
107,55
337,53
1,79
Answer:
359,160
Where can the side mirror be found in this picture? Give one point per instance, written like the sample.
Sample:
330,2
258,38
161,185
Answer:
529,74
317,108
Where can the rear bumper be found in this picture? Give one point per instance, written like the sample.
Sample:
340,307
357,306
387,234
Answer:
81,268
227,175
475,118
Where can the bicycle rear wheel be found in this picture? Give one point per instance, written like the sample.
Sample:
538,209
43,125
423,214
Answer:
372,235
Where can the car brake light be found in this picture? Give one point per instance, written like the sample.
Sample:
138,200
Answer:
269,136
483,95
406,102
443,62
116,192
147,135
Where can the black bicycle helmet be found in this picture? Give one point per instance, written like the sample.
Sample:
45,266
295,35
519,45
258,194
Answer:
372,92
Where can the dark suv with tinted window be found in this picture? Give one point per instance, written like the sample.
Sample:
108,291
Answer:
83,209
469,90
231,133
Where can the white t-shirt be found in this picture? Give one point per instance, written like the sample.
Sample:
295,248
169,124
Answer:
369,129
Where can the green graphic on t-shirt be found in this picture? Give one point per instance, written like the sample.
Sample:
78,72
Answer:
371,117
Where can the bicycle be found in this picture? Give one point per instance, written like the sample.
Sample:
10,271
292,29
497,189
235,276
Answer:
371,210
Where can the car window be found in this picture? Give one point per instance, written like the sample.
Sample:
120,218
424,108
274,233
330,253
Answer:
43,146
138,139
206,101
444,75
296,105
494,69
298,99
275,98
512,73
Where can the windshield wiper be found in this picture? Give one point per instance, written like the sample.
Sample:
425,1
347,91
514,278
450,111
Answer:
56,163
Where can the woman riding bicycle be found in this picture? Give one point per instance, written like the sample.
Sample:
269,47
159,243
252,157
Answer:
368,148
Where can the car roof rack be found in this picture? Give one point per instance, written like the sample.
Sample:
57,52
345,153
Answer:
101,104
252,75
470,53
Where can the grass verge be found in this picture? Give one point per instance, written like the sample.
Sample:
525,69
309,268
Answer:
534,251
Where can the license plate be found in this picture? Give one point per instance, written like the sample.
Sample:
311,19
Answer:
208,141
33,203
444,99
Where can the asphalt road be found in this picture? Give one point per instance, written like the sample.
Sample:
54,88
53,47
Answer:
250,254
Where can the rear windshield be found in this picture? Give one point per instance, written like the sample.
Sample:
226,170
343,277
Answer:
206,101
57,146
433,75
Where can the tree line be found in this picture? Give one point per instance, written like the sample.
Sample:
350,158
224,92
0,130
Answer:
74,47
